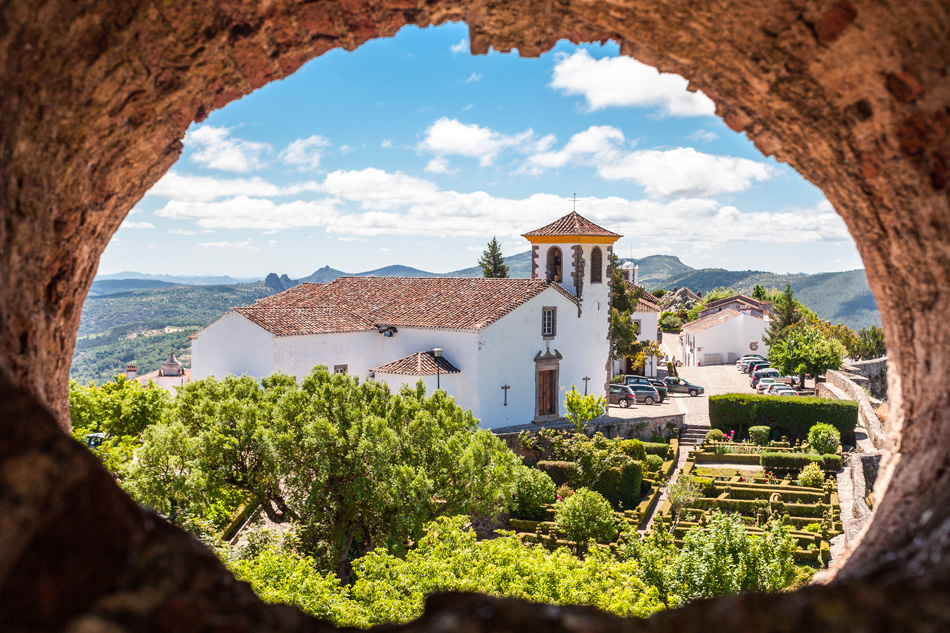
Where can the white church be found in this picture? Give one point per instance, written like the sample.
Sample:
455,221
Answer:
508,349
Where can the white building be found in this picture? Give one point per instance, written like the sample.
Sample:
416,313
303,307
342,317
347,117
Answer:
510,348
169,377
722,337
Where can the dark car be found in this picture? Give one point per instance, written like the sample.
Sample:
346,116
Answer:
675,384
647,394
621,395
755,366
659,385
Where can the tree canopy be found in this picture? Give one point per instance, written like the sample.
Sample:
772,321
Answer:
803,349
355,466
492,261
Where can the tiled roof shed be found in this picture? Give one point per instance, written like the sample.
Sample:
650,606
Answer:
356,304
711,320
571,225
419,364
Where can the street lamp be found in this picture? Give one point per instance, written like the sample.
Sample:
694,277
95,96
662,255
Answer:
437,352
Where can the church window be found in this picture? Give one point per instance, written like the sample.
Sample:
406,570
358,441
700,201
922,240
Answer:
596,266
339,369
548,322
554,265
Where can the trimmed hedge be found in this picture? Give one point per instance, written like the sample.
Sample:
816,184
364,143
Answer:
621,485
792,417
797,461
561,472
633,448
656,448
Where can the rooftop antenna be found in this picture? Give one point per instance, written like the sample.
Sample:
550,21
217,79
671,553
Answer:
575,202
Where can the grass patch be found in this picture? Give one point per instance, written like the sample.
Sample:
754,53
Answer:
704,471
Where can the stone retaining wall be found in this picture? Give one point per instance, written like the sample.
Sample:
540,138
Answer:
874,371
866,415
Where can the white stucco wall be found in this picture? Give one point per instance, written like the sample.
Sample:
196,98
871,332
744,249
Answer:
730,337
232,345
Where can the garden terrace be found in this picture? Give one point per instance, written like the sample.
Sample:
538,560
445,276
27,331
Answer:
787,417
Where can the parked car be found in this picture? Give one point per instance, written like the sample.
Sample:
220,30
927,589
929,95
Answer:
621,395
765,384
748,358
759,374
743,365
755,366
675,384
647,394
95,440
659,385
774,387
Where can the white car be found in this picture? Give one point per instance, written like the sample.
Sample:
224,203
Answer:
765,383
777,388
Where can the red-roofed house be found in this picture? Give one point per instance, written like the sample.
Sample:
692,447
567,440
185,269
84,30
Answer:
510,348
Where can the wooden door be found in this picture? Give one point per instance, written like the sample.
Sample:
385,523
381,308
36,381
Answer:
546,392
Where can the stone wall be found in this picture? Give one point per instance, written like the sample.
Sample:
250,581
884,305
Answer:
866,415
874,371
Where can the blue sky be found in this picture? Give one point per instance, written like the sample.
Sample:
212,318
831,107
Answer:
412,151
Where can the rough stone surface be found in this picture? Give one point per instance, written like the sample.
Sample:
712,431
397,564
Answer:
97,96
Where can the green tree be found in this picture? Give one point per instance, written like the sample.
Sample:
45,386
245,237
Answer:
354,465
585,515
119,407
868,344
582,409
723,558
803,349
492,261
759,292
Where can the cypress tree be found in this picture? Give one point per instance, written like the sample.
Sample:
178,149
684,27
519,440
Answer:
492,261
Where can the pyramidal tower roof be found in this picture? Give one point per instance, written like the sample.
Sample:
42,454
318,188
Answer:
573,225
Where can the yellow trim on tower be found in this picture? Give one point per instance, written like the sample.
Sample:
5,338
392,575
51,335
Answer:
570,239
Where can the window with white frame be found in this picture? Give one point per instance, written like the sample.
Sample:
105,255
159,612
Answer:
548,322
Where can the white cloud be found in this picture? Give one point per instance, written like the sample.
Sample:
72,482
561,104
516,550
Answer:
683,171
439,165
472,78
305,153
126,224
452,137
346,149
385,250
705,136
357,205
240,246
182,232
386,144
613,82
461,47
597,145
174,186
215,147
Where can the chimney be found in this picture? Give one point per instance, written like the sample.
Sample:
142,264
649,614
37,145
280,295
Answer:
131,371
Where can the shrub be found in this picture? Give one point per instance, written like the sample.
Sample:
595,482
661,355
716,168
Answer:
620,485
788,461
534,490
633,448
561,472
564,491
759,435
824,439
811,476
654,463
814,528
831,463
656,448
715,435
585,516
791,417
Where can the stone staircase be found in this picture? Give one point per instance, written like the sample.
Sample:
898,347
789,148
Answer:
691,435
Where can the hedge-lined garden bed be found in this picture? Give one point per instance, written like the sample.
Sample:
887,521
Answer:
786,417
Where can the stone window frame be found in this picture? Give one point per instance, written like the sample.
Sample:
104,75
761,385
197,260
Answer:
547,334
596,265
341,369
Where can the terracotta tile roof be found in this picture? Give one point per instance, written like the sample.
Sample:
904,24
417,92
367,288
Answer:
645,306
297,320
649,296
356,304
711,320
570,225
743,299
419,364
